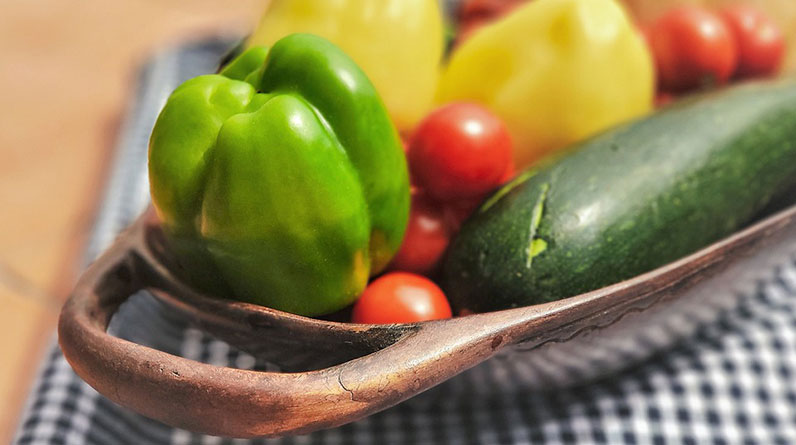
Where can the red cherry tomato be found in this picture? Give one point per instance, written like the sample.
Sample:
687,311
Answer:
508,175
761,46
426,237
486,8
459,151
401,297
469,27
662,99
692,48
457,212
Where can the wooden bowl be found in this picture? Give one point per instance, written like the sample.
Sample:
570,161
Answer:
339,372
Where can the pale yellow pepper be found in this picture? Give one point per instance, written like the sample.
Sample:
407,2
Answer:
556,71
398,43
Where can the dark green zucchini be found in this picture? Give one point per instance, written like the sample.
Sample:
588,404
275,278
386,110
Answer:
630,200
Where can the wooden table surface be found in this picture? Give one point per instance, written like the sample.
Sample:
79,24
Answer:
65,78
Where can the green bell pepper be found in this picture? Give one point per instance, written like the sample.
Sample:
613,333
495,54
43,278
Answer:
281,180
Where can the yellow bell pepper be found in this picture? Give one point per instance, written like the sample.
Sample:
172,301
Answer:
555,71
398,43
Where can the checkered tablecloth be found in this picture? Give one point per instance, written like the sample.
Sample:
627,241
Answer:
733,382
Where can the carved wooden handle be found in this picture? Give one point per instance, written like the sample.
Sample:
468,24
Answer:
243,403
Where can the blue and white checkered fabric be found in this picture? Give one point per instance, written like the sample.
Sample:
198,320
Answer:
734,382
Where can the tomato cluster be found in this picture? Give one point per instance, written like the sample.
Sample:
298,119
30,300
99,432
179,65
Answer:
458,154
696,48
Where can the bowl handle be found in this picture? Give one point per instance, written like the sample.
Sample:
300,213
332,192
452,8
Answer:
243,403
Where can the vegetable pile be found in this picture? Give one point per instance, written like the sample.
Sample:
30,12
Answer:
343,162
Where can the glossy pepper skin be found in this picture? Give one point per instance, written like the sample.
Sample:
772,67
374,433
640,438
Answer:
398,43
281,181
555,71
